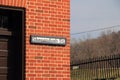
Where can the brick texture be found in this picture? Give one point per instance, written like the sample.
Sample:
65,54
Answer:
46,18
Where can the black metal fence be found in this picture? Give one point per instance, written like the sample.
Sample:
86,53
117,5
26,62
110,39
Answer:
100,68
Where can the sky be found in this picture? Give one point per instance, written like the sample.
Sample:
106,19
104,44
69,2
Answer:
94,14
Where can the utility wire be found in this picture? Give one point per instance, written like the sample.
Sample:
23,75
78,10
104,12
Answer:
95,30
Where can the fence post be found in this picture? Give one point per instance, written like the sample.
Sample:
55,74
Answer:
119,64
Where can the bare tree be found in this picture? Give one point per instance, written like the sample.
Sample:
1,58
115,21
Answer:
107,44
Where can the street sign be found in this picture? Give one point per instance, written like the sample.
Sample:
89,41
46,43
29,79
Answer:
48,40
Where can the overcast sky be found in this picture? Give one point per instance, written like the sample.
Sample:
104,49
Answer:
94,14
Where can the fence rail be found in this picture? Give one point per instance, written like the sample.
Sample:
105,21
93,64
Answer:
100,68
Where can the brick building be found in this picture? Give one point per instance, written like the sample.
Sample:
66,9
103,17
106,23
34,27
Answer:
31,32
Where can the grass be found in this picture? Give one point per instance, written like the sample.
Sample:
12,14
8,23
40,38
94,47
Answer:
117,79
92,74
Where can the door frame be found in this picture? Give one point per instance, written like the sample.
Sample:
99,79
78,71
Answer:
23,10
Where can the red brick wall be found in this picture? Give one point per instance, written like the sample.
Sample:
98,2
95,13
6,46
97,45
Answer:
46,18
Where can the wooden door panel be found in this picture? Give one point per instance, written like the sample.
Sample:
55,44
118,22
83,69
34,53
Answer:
3,77
3,62
3,53
3,58
3,45
12,44
3,71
